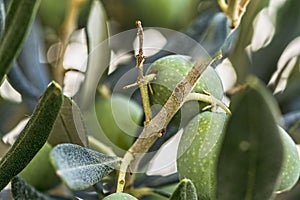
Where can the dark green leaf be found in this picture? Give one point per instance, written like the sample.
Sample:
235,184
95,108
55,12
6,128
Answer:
23,191
69,126
34,135
80,167
252,152
156,181
18,20
185,191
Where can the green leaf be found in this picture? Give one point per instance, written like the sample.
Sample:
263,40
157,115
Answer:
185,191
251,155
69,126
80,167
34,135
21,191
18,20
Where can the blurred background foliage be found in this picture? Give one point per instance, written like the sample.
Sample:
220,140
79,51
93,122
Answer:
266,44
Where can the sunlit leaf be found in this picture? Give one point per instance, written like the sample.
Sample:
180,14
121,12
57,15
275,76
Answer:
80,167
252,150
33,136
99,52
185,191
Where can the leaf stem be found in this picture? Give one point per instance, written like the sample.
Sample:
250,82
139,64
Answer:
99,146
223,5
208,98
235,10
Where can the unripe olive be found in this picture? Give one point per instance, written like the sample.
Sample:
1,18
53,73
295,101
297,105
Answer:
200,144
172,69
174,14
39,172
118,118
120,196
291,163
198,150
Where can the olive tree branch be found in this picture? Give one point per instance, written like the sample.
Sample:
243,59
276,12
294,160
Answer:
157,126
235,10
68,27
142,81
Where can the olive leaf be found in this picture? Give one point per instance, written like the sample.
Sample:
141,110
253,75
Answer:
80,167
252,150
185,190
21,191
69,126
17,22
33,136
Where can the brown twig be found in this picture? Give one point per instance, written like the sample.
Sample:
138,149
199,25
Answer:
235,10
157,126
142,81
68,27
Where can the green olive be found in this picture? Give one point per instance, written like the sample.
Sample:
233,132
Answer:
291,164
198,150
200,145
120,196
172,69
39,172
174,14
118,118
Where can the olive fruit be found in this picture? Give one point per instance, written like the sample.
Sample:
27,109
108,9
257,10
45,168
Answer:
172,69
118,118
200,144
120,196
39,172
291,163
198,150
174,14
